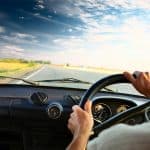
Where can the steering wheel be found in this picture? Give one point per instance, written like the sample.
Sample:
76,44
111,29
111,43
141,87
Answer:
113,79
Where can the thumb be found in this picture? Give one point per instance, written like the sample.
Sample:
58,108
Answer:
88,107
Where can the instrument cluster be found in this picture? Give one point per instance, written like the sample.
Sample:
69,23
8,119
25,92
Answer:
103,110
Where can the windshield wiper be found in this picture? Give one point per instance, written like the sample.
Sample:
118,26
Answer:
71,80
24,80
65,80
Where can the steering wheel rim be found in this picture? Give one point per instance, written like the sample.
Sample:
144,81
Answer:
117,78
100,84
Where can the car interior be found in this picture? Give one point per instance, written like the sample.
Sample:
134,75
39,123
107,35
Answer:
35,117
55,54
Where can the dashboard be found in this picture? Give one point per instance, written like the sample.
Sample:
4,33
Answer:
33,117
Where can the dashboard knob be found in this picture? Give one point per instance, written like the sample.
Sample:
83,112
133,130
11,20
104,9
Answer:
54,110
39,98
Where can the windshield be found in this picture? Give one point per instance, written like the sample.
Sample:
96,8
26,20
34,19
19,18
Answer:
81,39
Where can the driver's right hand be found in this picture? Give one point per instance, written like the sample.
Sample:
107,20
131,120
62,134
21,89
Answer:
81,121
141,82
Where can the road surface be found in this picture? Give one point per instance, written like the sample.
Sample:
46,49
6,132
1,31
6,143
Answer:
50,72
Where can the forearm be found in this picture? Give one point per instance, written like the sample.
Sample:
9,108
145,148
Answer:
78,143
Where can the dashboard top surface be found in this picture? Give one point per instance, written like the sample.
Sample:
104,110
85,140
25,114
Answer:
55,93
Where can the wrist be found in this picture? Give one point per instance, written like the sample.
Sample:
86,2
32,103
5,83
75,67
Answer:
79,142
81,135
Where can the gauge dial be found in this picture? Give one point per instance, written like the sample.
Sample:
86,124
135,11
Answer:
101,112
122,108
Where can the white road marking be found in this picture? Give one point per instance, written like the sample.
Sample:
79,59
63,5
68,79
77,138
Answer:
34,73
31,75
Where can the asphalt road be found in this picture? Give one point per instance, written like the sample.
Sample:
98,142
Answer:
51,72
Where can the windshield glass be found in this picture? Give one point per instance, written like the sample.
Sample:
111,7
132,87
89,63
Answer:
81,39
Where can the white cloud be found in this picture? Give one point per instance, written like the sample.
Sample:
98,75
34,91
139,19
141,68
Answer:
119,3
20,38
11,51
14,48
93,13
87,10
49,19
145,4
109,17
64,7
21,17
120,45
39,4
23,35
103,44
70,30
129,4
69,43
2,29
40,1
127,44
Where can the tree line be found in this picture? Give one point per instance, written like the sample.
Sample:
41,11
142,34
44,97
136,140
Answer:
24,61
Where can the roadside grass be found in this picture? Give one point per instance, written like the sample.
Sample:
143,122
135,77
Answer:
15,67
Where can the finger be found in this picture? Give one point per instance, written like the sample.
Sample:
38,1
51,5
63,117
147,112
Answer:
136,74
141,80
129,77
72,115
70,127
70,122
147,74
88,107
75,107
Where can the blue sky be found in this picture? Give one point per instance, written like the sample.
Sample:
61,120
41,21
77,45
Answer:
104,33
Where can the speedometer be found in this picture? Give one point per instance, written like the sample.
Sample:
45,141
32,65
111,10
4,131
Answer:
101,112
